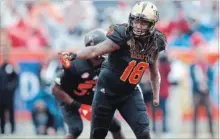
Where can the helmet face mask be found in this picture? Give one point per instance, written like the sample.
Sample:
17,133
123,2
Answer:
140,27
143,18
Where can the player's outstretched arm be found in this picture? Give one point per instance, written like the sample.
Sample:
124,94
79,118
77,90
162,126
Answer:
105,47
62,96
155,80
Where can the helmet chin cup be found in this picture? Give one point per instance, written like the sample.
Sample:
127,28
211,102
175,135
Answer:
138,34
143,33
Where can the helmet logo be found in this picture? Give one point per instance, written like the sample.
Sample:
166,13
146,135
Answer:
144,5
85,75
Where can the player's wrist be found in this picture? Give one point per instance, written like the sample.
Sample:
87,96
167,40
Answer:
75,104
155,97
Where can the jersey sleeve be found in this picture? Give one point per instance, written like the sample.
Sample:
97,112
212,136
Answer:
117,33
161,40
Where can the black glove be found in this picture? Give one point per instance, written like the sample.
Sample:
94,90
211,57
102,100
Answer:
74,105
66,58
72,56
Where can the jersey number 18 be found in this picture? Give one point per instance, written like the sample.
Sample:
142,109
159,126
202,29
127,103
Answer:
133,72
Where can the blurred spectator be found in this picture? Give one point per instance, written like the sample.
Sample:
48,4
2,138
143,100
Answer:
197,39
5,43
8,14
47,73
164,92
44,121
79,16
24,35
202,78
117,16
214,43
9,78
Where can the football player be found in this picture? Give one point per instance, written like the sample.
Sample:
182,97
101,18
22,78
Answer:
132,48
75,86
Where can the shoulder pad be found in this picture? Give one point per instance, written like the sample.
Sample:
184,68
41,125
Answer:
161,40
118,33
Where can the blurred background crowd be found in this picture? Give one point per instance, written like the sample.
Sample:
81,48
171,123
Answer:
32,32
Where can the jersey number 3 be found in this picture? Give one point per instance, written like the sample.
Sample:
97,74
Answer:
134,72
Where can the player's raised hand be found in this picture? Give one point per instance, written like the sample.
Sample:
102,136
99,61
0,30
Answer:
66,58
66,55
